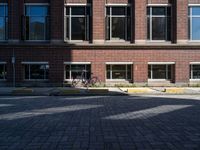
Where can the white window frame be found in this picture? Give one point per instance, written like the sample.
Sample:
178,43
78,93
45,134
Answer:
34,63
167,64
3,63
6,28
45,31
120,16
164,16
70,71
191,71
190,22
119,63
87,21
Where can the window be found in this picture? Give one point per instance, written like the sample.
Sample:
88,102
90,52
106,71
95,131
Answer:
77,23
118,23
3,72
194,23
159,23
3,22
159,72
195,71
36,72
74,71
123,72
36,22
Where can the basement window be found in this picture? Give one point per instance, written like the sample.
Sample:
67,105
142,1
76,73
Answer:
3,71
195,71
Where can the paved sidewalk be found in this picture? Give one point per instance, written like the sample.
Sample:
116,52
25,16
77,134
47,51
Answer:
60,91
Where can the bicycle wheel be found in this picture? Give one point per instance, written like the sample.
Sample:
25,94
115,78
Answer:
95,81
75,82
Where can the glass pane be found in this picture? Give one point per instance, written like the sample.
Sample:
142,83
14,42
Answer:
149,71
108,67
158,28
118,28
37,28
26,71
78,10
107,28
129,71
119,72
196,71
107,10
2,72
2,28
67,28
3,10
37,71
158,11
47,71
168,29
78,28
159,71
118,11
195,28
148,28
36,10
129,29
195,11
169,71
67,10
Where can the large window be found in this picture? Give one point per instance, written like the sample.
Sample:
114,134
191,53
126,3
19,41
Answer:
194,23
118,23
36,71
160,72
3,71
120,72
77,23
159,23
76,70
3,22
36,22
195,71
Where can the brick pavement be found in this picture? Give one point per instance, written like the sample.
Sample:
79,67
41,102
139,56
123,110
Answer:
100,123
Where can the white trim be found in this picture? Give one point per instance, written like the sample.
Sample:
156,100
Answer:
194,63
161,63
158,5
117,4
34,63
77,63
3,3
3,62
77,4
119,80
36,4
193,4
119,63
158,80
194,80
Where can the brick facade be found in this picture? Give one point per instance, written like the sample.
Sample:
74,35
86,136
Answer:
98,51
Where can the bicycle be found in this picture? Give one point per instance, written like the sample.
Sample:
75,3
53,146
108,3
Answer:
92,81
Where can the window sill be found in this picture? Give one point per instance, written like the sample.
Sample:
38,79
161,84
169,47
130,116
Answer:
35,80
36,41
76,42
158,42
119,80
2,80
195,80
117,41
159,80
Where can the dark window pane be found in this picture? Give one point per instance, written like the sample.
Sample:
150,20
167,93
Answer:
129,29
67,27
196,28
119,72
148,10
159,28
158,11
37,28
149,71
26,71
118,28
67,11
78,28
196,11
2,28
159,71
168,28
196,71
107,10
169,71
78,10
148,28
128,11
118,11
3,71
107,28
39,71
169,11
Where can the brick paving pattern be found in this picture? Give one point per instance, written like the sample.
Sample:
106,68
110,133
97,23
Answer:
100,123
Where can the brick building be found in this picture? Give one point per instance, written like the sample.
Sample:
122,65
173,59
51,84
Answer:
47,42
